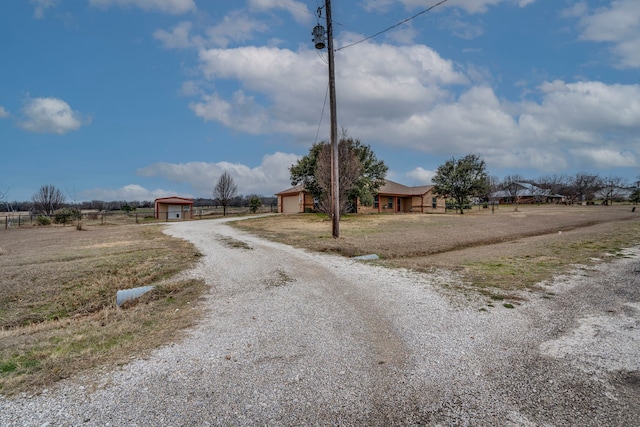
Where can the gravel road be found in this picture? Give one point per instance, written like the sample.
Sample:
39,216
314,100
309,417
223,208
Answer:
297,338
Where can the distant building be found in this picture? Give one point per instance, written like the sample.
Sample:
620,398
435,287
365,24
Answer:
173,208
527,194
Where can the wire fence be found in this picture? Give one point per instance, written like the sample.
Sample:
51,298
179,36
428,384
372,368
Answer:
13,220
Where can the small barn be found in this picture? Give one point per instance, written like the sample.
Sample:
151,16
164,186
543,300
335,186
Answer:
173,208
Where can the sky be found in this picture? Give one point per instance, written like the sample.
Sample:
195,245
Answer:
139,99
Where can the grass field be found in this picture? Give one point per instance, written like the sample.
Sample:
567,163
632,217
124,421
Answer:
498,252
57,299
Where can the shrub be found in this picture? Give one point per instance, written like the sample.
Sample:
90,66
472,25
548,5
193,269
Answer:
43,220
63,216
254,204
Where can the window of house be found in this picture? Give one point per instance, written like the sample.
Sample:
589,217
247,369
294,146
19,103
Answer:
390,202
376,202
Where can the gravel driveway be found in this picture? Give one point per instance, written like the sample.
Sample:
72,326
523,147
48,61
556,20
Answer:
297,338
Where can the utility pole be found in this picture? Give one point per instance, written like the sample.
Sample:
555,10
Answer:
319,39
335,164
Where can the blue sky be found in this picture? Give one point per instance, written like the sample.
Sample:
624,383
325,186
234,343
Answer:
138,99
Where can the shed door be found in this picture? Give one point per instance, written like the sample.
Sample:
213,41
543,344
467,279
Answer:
175,212
291,204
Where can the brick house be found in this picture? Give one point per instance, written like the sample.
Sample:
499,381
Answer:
397,198
391,198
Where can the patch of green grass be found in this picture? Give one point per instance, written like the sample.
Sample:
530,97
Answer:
524,272
507,305
230,242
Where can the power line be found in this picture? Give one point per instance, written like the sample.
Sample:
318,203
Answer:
322,114
394,26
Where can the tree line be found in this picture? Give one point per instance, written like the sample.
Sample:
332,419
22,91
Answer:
49,199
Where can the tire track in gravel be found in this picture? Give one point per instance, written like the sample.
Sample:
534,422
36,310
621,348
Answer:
382,351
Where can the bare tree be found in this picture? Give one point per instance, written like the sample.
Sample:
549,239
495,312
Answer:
556,184
224,191
350,172
611,188
584,186
2,196
98,205
47,200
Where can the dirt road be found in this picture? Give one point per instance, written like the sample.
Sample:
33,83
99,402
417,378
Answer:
296,338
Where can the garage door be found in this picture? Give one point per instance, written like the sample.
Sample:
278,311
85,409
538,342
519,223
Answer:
175,211
290,204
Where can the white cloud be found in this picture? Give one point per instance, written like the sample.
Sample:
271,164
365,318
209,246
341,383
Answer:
619,26
463,29
589,107
470,6
173,7
384,81
605,158
179,37
235,27
41,6
129,192
270,177
50,115
421,176
298,10
3,113
409,96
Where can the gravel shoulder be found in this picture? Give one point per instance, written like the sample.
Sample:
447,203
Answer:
298,338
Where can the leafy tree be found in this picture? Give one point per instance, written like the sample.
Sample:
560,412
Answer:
224,191
361,173
254,204
47,200
66,215
461,179
634,197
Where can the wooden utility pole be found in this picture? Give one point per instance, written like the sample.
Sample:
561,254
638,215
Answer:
335,169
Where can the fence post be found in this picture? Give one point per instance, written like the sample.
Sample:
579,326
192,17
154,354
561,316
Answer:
6,222
136,217
19,224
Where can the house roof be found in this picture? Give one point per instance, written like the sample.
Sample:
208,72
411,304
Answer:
174,200
391,187
293,190
526,189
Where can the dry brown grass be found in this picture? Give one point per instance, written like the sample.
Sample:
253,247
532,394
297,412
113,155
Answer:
57,299
508,249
